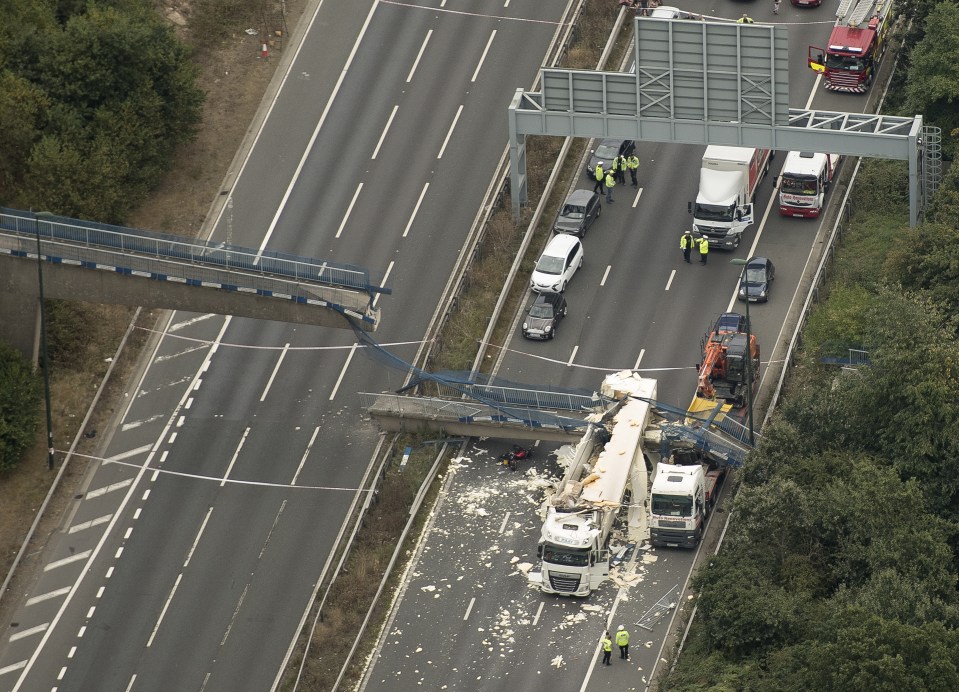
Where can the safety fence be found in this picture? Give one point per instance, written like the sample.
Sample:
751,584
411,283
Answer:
160,246
172,259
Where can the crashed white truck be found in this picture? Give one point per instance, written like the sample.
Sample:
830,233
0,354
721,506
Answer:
606,477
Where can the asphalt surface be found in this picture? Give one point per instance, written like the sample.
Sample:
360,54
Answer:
468,618
197,576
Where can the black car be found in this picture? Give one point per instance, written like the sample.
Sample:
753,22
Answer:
578,212
757,280
544,315
608,150
731,323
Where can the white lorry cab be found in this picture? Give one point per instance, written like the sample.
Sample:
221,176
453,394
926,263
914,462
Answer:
805,179
681,498
728,181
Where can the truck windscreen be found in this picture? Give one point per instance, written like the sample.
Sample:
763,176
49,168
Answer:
565,556
799,184
714,212
852,63
672,506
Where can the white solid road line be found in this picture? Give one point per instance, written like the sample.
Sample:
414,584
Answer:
539,612
236,454
572,356
13,667
26,633
383,282
409,223
76,557
639,193
109,530
196,541
419,55
306,453
502,527
343,371
483,56
316,131
605,275
56,593
459,111
163,612
469,608
642,352
108,489
385,130
349,210
752,248
276,368
131,453
672,275
90,524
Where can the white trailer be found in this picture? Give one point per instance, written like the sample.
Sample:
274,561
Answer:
606,473
728,181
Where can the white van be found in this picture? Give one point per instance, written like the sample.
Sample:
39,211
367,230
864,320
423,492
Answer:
556,266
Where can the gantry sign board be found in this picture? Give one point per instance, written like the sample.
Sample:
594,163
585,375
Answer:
702,82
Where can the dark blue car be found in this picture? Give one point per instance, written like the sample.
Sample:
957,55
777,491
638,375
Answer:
757,280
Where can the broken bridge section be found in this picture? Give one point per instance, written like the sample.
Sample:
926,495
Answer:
99,263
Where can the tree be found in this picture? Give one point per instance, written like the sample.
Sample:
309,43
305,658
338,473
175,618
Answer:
22,106
19,406
118,94
924,260
933,85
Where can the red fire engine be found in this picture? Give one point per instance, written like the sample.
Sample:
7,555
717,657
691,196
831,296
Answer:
856,45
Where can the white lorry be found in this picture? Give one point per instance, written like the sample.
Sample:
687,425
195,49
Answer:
682,496
803,184
728,181
606,473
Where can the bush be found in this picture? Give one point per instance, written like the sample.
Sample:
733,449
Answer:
20,394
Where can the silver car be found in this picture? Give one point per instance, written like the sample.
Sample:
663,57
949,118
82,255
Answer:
578,213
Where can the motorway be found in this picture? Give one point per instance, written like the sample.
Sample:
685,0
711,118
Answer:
468,619
190,560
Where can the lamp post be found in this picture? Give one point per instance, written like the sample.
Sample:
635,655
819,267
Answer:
749,350
43,342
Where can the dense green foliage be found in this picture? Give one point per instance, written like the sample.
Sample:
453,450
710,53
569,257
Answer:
94,97
19,406
840,568
933,85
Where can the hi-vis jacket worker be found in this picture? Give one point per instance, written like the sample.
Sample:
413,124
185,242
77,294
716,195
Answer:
633,164
610,184
686,244
745,20
600,176
622,641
